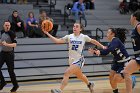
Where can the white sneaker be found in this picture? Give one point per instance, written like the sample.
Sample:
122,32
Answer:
56,91
90,86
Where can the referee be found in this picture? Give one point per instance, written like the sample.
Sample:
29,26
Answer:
8,43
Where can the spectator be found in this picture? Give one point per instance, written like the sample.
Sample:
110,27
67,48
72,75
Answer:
46,1
9,1
133,5
32,26
89,4
78,10
124,6
4,1
75,1
43,16
22,1
16,23
92,4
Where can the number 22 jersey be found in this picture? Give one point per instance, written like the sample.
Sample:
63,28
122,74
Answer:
76,46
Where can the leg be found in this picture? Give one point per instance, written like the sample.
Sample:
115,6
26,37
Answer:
71,70
118,78
10,65
76,15
112,82
84,18
111,77
3,83
22,28
131,67
55,28
81,76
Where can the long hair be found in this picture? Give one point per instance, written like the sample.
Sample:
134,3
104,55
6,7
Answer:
120,33
30,13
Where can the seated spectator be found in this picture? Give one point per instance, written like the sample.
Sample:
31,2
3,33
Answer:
4,1
22,1
43,16
92,4
17,24
89,4
46,1
32,26
9,1
75,1
78,10
133,5
124,7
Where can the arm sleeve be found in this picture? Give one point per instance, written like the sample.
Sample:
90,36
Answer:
65,38
28,20
20,20
87,38
12,36
75,7
113,45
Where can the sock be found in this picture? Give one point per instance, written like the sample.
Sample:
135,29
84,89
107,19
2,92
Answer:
115,91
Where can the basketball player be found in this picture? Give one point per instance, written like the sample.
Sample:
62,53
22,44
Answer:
116,47
134,64
76,43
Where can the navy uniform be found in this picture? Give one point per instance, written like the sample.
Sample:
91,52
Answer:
117,48
7,55
136,43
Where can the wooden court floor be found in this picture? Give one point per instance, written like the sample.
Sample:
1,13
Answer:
74,86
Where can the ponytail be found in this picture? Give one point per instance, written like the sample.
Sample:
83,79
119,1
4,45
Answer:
120,33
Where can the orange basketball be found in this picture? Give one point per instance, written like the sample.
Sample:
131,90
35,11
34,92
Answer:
47,25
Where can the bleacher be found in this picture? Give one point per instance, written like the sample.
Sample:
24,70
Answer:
40,58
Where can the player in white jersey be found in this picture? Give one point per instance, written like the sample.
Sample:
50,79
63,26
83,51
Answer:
76,42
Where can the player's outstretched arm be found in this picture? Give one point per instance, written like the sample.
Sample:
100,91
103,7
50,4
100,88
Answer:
54,39
93,41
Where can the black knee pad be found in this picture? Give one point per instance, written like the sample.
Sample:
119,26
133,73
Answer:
122,75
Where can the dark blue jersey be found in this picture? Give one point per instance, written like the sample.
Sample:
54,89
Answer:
117,48
136,41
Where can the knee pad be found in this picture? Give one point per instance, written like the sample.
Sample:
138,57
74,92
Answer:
122,75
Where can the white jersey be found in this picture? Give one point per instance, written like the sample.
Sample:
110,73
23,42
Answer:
76,45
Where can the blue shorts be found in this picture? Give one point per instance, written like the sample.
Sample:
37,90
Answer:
118,67
80,62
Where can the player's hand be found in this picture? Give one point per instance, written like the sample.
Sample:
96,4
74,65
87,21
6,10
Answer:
0,43
91,51
19,24
45,32
104,47
97,52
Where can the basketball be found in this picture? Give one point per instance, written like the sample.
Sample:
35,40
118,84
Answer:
46,25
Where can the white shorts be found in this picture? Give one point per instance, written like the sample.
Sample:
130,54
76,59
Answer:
80,62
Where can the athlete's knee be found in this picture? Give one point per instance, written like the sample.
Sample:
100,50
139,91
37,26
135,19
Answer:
126,76
111,74
67,73
118,78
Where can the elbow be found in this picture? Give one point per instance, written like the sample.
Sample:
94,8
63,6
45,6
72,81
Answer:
58,42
